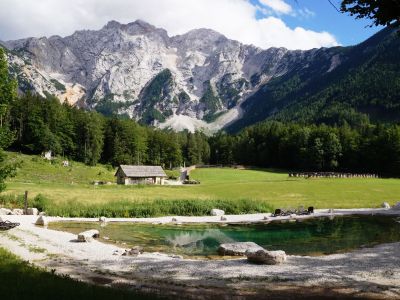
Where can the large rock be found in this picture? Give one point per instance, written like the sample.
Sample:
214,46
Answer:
266,257
397,206
42,221
217,212
17,212
238,249
5,211
32,211
87,236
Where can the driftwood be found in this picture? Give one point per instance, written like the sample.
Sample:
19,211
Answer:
6,225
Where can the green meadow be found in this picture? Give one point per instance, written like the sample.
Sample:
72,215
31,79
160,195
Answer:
69,191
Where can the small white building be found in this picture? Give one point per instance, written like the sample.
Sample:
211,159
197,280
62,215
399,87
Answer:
140,175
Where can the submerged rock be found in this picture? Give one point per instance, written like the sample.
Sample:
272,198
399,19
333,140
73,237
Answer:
87,236
266,257
238,249
42,221
217,212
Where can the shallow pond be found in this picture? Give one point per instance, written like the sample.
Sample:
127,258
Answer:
307,237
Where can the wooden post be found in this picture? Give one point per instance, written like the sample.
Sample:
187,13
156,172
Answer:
26,203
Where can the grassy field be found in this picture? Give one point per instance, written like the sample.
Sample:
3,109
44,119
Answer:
21,280
240,190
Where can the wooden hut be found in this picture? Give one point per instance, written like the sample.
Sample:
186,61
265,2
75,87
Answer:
140,175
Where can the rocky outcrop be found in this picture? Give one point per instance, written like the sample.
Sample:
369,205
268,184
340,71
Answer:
238,249
266,257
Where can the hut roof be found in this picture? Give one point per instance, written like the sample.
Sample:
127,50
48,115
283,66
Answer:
142,171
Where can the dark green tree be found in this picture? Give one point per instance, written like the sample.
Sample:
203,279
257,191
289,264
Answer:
381,12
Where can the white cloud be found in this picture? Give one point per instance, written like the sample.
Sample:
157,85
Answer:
234,18
279,6
306,13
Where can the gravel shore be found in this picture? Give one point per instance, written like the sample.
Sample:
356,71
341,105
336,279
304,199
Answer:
366,273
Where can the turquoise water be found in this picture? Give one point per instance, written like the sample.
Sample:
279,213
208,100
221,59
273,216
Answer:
308,237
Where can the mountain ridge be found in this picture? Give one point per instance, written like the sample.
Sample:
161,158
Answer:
199,79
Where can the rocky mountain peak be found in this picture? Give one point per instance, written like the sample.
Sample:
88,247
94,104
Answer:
199,78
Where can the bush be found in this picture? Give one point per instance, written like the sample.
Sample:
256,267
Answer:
40,202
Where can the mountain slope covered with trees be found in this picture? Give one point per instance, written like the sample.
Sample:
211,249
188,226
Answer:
366,85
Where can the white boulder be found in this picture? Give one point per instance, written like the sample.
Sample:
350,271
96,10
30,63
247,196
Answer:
5,211
32,211
42,221
103,219
238,249
17,212
266,257
217,212
385,205
88,236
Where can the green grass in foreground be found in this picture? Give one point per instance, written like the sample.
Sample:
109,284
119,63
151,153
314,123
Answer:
21,280
68,192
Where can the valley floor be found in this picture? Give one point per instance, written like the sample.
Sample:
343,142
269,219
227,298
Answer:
366,273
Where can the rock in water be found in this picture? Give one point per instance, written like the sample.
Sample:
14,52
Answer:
266,257
238,249
217,212
385,205
87,236
42,221
102,219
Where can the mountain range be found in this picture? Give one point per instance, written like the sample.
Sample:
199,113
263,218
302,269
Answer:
203,80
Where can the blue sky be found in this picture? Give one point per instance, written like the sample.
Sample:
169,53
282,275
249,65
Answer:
322,16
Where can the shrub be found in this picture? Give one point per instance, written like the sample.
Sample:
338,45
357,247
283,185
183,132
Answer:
40,202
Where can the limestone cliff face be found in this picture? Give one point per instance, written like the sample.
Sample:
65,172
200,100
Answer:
200,75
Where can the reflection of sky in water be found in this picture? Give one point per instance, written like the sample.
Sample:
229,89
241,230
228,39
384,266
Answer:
198,241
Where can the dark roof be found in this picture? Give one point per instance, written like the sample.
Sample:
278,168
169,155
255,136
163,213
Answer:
142,171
